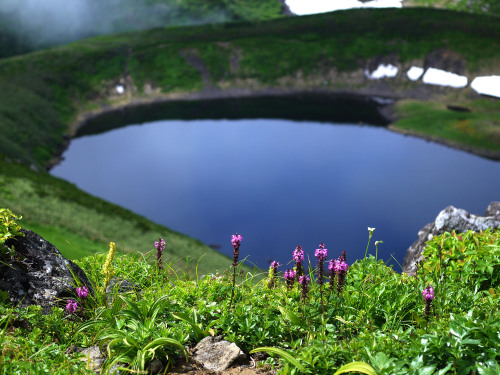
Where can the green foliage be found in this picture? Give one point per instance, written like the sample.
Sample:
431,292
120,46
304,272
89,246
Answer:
475,129
470,257
134,335
9,228
491,7
376,325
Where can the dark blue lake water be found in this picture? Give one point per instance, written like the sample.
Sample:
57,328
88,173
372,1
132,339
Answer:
280,183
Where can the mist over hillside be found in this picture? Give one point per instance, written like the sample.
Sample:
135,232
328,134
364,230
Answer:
26,25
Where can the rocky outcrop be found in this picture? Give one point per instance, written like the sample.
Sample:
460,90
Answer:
217,354
38,274
449,219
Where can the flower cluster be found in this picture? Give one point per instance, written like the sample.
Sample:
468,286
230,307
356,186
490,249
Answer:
298,257
236,241
273,273
298,254
428,294
338,268
71,306
303,281
160,246
321,255
82,292
289,278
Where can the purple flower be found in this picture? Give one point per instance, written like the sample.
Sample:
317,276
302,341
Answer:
289,275
82,292
340,266
303,281
71,306
273,273
298,254
160,245
428,293
321,253
236,241
275,264
332,265
289,278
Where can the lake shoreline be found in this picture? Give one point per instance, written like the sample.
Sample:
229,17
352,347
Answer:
383,104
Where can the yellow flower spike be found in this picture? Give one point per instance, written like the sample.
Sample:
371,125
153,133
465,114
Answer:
107,269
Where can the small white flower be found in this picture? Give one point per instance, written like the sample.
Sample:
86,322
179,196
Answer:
371,229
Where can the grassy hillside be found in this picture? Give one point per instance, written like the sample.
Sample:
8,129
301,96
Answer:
79,224
42,94
26,26
491,7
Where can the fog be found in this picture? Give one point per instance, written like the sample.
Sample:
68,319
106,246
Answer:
51,22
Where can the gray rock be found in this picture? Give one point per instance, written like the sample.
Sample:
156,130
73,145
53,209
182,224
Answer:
216,354
93,357
118,286
449,219
493,210
38,274
95,360
155,367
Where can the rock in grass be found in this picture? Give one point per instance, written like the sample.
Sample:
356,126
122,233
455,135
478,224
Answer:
38,274
216,354
449,219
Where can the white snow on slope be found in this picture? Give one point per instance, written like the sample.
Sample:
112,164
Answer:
440,77
414,73
301,7
487,85
382,71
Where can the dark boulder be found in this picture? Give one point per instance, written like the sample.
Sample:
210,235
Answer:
38,274
449,219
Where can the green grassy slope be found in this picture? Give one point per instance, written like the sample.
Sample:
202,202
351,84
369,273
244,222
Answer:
42,94
491,7
79,224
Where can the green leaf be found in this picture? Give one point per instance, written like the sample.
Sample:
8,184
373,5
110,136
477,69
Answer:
283,354
362,367
162,341
199,334
292,317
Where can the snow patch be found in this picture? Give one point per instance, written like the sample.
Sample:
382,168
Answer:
301,7
487,85
382,71
440,77
120,89
414,73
